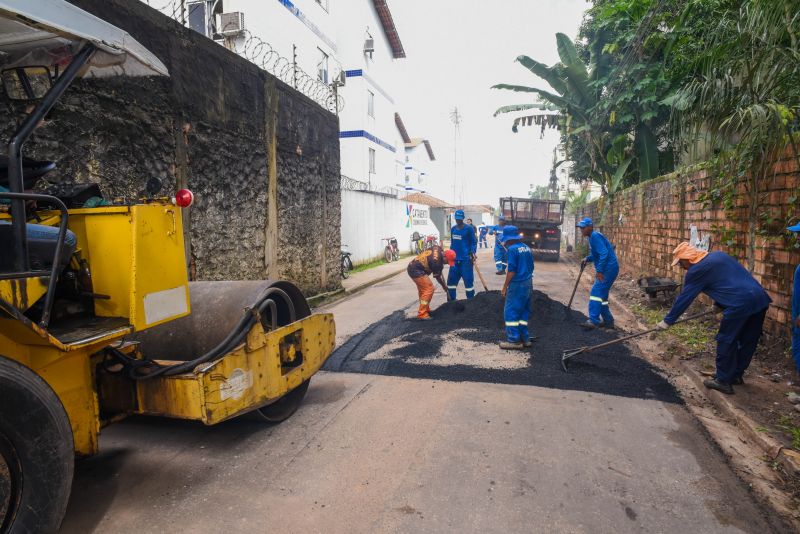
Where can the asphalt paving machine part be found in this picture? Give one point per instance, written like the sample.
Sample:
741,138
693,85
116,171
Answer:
574,289
567,354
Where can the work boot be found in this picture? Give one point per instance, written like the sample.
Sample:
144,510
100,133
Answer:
507,345
713,383
589,325
528,343
426,318
738,381
607,326
500,272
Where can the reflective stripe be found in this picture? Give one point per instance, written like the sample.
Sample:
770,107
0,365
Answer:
515,323
605,303
424,302
524,323
469,289
452,287
596,299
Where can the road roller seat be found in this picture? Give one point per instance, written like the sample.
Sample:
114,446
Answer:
32,170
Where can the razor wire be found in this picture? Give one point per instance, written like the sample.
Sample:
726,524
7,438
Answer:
351,184
263,55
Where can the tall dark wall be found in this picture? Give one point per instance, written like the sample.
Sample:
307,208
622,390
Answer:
212,126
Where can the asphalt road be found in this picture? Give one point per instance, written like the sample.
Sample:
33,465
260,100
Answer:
393,453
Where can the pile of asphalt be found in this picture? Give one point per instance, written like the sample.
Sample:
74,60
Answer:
613,370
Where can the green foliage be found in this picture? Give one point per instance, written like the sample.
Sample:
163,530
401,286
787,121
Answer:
541,192
577,200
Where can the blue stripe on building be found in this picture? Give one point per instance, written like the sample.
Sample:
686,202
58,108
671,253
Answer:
288,4
365,134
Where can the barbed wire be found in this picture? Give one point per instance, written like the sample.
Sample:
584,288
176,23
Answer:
351,184
263,55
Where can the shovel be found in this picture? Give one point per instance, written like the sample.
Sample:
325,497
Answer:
574,289
567,354
477,269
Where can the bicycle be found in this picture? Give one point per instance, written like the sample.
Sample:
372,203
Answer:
391,252
347,263
431,242
417,243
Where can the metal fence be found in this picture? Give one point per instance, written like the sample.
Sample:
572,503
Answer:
351,184
262,54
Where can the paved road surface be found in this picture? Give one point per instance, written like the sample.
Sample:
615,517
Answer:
370,453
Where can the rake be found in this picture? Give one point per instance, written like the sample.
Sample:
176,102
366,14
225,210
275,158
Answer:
567,354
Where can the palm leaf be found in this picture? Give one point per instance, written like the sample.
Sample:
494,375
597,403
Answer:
548,74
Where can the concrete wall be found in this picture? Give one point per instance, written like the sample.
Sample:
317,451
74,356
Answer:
646,222
366,215
262,160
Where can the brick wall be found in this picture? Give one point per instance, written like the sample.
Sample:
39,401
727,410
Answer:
647,221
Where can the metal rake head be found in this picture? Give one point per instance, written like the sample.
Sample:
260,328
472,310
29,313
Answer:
567,354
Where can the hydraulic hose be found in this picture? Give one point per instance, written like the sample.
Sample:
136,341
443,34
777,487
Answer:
234,338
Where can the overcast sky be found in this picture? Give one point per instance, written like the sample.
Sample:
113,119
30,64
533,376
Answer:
456,50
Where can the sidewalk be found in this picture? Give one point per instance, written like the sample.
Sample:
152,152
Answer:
360,280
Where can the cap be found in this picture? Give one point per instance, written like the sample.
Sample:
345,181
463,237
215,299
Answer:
459,215
450,257
501,218
511,232
586,221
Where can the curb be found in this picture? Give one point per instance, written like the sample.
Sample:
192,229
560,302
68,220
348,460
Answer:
773,449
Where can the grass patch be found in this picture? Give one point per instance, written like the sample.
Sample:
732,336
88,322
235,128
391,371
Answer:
694,335
376,263
787,425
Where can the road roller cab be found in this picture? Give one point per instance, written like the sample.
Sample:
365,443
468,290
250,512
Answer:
98,319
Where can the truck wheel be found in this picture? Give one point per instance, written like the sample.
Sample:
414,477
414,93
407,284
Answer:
36,452
283,408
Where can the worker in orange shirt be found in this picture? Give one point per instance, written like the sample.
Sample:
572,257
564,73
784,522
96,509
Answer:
430,262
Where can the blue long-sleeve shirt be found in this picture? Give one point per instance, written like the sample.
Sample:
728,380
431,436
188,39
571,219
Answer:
463,241
497,231
724,280
601,253
520,262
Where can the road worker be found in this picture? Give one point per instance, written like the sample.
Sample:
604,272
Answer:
483,230
464,244
500,252
602,255
429,262
743,302
517,290
796,306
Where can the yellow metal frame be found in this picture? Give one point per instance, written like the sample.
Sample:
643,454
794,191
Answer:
251,376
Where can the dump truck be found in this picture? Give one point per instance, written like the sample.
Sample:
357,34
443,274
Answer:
98,319
539,221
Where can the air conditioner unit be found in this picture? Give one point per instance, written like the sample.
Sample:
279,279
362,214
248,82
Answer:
369,46
341,78
230,24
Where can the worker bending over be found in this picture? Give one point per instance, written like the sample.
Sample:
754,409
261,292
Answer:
743,301
463,242
796,306
500,252
602,255
517,290
430,262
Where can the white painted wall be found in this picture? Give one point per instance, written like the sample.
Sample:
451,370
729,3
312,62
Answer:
367,217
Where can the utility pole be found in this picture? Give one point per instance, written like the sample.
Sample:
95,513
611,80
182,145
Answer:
455,118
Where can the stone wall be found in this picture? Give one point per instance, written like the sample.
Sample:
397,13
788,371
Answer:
647,221
261,158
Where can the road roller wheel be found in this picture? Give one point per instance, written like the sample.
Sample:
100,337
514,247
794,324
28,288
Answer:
36,452
283,408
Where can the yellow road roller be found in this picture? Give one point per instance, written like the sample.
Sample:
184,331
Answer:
97,317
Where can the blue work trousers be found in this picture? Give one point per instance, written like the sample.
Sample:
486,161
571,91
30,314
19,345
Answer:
598,298
500,257
517,311
461,270
737,340
482,243
796,347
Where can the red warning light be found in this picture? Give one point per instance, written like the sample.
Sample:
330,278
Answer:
184,198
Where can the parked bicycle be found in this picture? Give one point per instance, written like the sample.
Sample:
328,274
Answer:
431,242
347,263
392,251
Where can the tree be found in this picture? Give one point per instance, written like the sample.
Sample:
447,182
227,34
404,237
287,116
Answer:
541,192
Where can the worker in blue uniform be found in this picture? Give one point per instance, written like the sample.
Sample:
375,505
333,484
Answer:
743,303
796,306
500,252
465,245
517,290
483,230
602,255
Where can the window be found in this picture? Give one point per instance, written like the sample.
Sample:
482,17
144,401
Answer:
322,66
198,17
372,161
370,103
